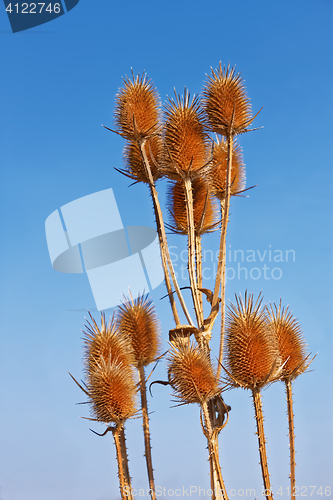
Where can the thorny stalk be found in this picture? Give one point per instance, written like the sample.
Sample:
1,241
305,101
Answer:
146,432
291,437
166,259
198,253
123,471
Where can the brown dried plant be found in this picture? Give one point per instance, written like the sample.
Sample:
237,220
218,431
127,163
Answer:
138,322
134,163
252,361
137,109
218,173
292,348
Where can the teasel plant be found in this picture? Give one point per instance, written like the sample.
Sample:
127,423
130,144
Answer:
228,114
293,353
138,120
252,361
193,379
110,387
137,321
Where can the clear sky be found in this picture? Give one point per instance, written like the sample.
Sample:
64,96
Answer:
58,85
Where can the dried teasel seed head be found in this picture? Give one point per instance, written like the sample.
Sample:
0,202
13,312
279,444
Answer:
191,374
218,173
137,320
135,167
225,102
204,208
105,342
112,391
137,110
187,146
291,343
252,354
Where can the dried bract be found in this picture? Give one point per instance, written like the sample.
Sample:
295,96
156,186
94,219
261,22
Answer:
137,321
191,374
291,343
252,353
137,109
225,102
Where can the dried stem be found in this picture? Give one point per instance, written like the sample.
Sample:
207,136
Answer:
166,259
191,246
220,277
146,432
123,471
291,437
262,443
198,252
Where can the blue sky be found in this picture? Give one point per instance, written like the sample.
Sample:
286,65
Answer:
58,85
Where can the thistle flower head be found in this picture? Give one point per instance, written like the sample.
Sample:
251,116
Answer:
105,342
291,343
112,391
186,142
137,321
252,353
134,164
204,208
218,173
191,374
225,102
137,109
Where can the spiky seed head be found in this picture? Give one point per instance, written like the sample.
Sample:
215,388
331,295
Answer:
134,163
186,142
225,102
112,391
105,342
291,342
251,348
137,109
138,321
191,374
204,208
218,173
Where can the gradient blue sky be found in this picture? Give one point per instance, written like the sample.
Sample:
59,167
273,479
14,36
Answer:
58,85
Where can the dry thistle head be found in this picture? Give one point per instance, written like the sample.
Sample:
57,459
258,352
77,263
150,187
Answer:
290,340
186,142
137,321
191,374
218,173
137,109
204,208
105,342
135,168
226,104
112,391
252,353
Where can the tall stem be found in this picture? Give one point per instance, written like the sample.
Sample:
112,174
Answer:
220,277
262,443
198,253
122,460
291,437
166,259
191,246
146,432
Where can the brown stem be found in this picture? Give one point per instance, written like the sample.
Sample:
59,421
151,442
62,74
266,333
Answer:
218,487
220,277
198,253
122,460
166,259
146,433
291,437
191,246
262,443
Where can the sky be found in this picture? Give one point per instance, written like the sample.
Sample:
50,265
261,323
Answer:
58,85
